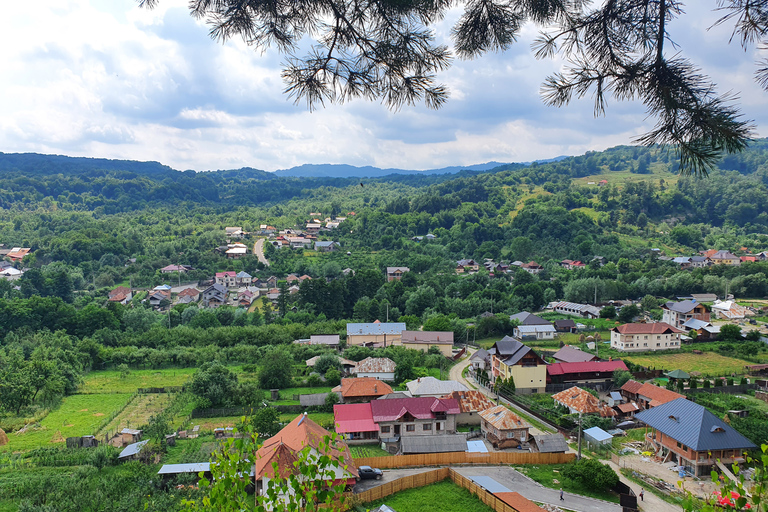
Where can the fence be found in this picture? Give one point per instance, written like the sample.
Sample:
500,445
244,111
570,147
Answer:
167,389
314,399
731,390
449,458
430,477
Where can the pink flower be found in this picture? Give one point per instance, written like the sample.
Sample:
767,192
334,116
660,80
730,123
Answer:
735,495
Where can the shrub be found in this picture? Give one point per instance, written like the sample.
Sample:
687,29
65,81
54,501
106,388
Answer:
314,381
333,377
104,455
591,474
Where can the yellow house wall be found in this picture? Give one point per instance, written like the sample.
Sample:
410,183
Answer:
526,377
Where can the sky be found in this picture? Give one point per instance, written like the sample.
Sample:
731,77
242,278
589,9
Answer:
107,79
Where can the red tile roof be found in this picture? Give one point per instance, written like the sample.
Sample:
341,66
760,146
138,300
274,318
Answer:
119,294
503,419
418,407
654,328
228,273
632,386
518,502
354,418
585,367
364,386
471,401
627,408
375,365
189,292
293,438
582,401
658,395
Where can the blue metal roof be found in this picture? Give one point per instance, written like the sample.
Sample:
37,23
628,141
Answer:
694,426
132,449
489,484
477,446
375,329
175,469
597,434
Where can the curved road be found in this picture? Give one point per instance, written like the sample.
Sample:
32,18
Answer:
258,250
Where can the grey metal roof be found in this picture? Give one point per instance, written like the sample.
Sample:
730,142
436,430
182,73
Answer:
536,328
433,444
695,323
551,443
375,329
175,469
132,449
694,426
526,318
616,395
597,434
479,355
489,484
682,307
433,386
511,350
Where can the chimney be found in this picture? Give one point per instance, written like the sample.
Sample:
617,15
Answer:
375,388
610,358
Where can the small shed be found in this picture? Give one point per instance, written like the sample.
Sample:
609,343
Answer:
171,470
548,443
131,451
596,436
433,444
615,398
130,435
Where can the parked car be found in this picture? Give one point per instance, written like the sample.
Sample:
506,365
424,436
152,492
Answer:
367,472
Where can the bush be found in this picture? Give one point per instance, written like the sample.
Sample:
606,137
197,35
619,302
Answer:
314,381
333,377
591,474
103,456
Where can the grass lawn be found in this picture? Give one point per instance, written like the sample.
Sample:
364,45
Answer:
109,381
191,450
708,363
286,395
547,474
8,506
78,415
368,450
436,497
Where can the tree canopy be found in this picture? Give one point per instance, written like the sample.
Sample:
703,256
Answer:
387,50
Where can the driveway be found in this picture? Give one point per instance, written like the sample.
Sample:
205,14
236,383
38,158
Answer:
258,250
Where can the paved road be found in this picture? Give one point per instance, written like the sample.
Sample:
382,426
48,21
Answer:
457,369
258,250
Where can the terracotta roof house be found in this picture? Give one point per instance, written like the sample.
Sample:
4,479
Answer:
569,354
503,428
375,333
121,294
687,433
627,410
414,418
355,422
645,337
430,386
424,340
192,293
471,404
677,313
510,358
361,389
518,502
578,400
630,389
381,368
156,297
18,253
532,267
282,449
649,396
599,373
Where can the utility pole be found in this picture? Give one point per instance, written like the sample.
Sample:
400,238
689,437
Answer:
578,457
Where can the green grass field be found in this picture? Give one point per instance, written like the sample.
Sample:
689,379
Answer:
547,474
708,363
436,497
78,415
368,450
110,381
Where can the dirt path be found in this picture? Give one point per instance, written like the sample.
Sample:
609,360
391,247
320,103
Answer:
651,502
258,250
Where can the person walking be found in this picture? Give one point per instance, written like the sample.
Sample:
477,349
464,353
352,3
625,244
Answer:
641,493
561,495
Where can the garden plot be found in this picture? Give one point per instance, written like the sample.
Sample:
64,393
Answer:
708,363
137,412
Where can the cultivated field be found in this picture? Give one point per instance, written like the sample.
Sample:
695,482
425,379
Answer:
78,415
708,363
138,412
110,381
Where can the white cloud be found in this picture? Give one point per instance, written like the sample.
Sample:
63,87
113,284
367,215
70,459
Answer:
107,79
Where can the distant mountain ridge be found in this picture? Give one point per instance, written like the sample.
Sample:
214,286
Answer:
41,164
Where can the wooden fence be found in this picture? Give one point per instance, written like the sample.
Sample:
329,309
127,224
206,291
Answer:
430,477
450,458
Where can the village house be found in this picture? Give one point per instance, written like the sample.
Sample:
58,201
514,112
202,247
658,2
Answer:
131,452
645,337
234,232
228,279
181,269
480,360
578,400
687,433
730,310
215,296
235,251
424,340
471,404
282,451
375,334
598,374
9,273
188,295
565,325
705,331
121,294
548,443
396,273
243,278
355,423
245,298
503,428
328,246
526,318
534,332
347,365
572,265
265,229
724,258
510,358
677,313
532,267
430,386
313,228
361,389
158,296
380,368
18,253
646,395
398,418
468,266
327,340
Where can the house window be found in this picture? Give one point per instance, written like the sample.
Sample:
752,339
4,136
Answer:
645,344
678,444
410,428
426,426
510,435
658,344
534,390
385,430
